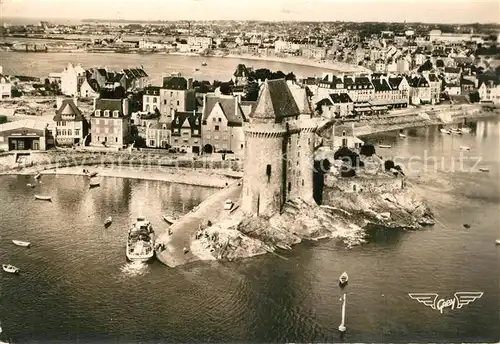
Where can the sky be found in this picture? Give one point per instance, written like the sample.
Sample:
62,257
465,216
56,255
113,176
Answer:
428,11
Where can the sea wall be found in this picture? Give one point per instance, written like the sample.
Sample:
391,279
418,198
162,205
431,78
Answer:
62,159
420,118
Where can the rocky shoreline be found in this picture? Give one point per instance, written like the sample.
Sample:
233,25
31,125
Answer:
344,216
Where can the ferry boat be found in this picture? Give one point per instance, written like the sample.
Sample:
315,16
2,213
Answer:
140,241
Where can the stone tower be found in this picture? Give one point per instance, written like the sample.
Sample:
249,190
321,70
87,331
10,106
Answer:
266,138
301,143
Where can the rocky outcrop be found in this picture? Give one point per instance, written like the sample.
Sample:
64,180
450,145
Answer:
378,200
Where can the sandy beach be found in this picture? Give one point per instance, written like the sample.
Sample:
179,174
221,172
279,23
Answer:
328,65
199,177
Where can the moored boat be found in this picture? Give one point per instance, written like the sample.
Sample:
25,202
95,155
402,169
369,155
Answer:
465,130
484,169
343,279
37,176
466,148
94,183
169,219
402,135
497,241
445,131
10,268
43,198
108,221
30,185
204,64
456,131
140,241
21,243
385,146
93,174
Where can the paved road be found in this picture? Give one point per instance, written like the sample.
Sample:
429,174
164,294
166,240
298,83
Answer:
184,230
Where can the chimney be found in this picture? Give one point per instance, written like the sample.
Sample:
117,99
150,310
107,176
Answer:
59,101
93,107
75,101
125,107
190,83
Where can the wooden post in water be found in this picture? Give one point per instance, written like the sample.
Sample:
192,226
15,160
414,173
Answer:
342,327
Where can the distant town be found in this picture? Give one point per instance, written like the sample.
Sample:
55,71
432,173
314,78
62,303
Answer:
395,67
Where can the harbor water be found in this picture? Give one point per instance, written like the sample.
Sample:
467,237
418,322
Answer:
76,286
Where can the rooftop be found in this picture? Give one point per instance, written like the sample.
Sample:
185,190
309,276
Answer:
275,102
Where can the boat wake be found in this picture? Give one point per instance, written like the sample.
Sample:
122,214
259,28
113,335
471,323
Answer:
134,269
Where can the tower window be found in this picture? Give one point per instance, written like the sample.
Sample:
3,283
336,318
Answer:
268,173
302,182
289,186
343,133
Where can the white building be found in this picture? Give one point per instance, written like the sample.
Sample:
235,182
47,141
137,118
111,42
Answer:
70,125
489,92
71,80
5,87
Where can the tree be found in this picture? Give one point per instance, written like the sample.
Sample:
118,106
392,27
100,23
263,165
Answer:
474,97
291,76
278,75
225,88
3,119
367,150
388,164
350,161
426,66
251,91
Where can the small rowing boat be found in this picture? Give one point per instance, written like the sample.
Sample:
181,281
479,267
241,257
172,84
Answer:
21,243
108,221
465,148
93,174
484,169
10,268
43,198
30,185
343,279
94,183
445,131
169,219
385,146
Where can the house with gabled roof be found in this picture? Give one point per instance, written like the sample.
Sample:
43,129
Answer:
420,90
5,87
176,94
222,124
110,122
70,126
90,89
241,75
336,106
186,131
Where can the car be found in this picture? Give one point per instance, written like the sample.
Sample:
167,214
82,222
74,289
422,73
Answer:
228,204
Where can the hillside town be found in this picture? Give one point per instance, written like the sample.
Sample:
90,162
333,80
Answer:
405,69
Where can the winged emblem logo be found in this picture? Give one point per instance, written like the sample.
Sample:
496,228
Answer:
459,300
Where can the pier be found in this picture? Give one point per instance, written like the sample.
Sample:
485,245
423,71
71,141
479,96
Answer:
211,209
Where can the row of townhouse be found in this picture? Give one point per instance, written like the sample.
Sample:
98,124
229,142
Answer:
218,127
75,81
346,96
